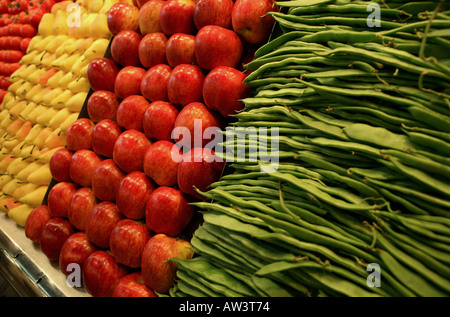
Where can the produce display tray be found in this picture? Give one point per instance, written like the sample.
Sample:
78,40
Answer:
27,269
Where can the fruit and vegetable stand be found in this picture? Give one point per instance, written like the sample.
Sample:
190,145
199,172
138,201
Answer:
151,149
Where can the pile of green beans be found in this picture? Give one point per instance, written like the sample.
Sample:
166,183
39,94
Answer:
364,160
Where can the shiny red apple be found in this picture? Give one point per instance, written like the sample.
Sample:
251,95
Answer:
123,16
157,272
60,163
130,113
202,125
132,285
180,49
185,84
159,164
217,46
102,73
106,179
176,16
127,242
213,12
82,166
250,19
224,89
125,48
55,232
102,104
100,222
74,251
102,273
36,221
154,83
198,169
129,150
168,211
104,137
79,135
152,49
81,204
128,81
149,17
59,198
132,195
159,120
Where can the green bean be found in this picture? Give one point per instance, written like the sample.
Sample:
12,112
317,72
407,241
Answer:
434,133
401,55
378,136
431,230
411,241
381,58
414,193
421,162
196,284
275,43
410,207
430,117
189,289
216,275
235,255
421,286
424,178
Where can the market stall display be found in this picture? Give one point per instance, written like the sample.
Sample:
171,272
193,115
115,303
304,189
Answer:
248,148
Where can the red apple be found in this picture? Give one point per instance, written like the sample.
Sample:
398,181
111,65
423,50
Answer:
132,195
159,164
106,180
176,16
104,137
55,232
130,113
127,242
128,81
123,16
196,118
250,19
168,211
75,250
59,198
159,120
129,150
199,168
102,104
132,285
79,135
152,49
36,221
101,221
213,12
223,90
180,49
101,274
59,165
157,272
154,83
81,204
102,73
149,17
217,46
82,166
185,84
125,48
